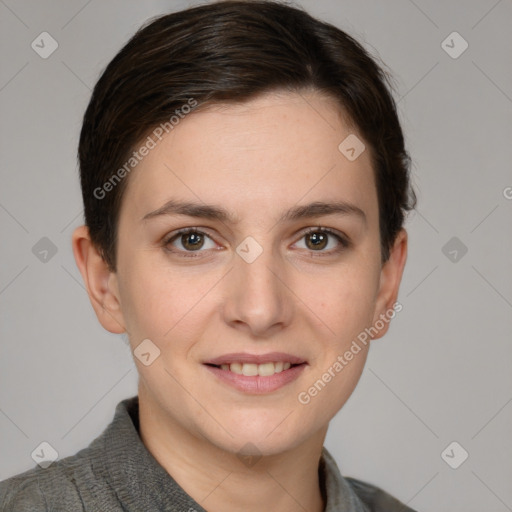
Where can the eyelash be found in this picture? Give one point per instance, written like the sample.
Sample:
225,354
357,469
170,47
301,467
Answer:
344,242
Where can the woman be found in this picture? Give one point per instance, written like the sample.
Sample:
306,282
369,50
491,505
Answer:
245,182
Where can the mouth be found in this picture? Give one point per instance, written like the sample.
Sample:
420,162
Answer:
257,373
250,365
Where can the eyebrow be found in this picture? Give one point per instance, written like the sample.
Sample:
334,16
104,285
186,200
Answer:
212,212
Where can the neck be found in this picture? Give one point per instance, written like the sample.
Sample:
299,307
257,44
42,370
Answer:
221,481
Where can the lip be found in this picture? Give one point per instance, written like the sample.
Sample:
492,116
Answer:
257,384
244,357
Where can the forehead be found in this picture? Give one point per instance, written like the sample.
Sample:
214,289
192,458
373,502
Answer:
271,152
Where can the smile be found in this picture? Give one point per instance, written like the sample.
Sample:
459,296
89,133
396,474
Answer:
256,374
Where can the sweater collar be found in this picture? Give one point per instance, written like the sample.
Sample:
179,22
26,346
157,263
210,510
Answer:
141,483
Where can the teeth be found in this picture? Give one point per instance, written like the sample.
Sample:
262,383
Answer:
252,369
266,369
236,368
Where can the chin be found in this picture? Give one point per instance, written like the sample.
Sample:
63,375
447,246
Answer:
262,438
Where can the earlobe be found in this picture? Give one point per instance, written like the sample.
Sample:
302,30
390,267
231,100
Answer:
390,278
99,281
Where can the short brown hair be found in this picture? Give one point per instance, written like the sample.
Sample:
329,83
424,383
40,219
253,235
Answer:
229,52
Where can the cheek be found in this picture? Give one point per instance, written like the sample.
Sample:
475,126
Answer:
143,302
346,303
158,303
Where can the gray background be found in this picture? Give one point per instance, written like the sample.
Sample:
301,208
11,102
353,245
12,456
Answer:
443,372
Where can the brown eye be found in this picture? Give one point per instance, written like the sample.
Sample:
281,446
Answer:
189,240
323,241
317,240
192,241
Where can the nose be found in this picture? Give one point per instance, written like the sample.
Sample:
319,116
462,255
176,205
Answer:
257,297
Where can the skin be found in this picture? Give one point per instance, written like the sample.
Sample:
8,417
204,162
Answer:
256,160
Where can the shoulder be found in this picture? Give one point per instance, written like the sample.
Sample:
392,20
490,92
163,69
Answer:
85,480
54,488
349,493
21,492
29,490
375,498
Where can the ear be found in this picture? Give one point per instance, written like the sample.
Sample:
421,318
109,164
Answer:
100,282
390,278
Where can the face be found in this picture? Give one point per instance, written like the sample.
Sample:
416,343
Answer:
249,256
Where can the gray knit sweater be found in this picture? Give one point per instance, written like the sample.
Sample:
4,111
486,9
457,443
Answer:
116,473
